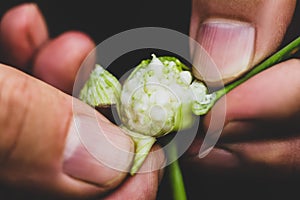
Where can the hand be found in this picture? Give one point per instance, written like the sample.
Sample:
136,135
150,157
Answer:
40,153
257,153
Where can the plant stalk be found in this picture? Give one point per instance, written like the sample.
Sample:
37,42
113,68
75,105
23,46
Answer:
175,176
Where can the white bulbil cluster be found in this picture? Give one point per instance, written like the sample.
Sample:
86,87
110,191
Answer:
155,98
159,96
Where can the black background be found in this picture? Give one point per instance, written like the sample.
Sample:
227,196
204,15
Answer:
102,19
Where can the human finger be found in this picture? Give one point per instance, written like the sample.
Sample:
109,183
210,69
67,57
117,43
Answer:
236,35
58,62
261,126
22,32
54,146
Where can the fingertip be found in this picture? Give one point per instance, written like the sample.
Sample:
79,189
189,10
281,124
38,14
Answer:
82,166
58,61
155,161
139,186
236,36
263,96
22,31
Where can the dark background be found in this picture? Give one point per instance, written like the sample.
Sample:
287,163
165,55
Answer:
101,20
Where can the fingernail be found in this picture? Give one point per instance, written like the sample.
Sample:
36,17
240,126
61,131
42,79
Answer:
96,151
230,46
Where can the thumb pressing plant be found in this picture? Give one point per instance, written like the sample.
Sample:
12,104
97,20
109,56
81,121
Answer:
161,96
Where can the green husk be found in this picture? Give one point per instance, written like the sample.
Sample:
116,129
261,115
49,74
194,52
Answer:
101,89
143,145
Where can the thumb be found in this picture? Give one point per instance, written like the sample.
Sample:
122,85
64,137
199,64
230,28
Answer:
236,34
54,146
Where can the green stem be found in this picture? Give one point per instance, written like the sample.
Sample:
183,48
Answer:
279,56
175,175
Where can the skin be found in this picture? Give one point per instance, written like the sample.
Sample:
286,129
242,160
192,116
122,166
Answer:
31,142
259,145
263,138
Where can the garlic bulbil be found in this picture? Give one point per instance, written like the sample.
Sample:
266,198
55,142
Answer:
158,97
